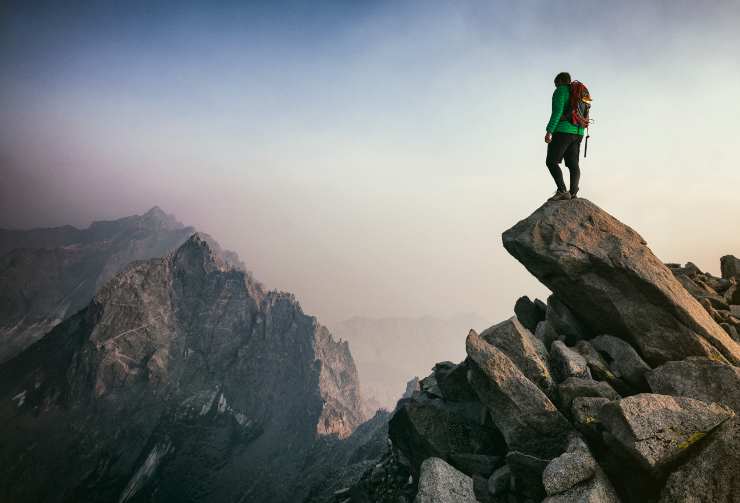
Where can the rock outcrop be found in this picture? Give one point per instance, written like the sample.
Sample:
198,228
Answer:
698,378
441,483
182,380
524,350
604,271
730,267
571,402
427,426
576,387
712,474
719,296
657,429
528,420
624,362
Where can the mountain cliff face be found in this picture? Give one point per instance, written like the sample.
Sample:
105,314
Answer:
182,380
49,274
622,387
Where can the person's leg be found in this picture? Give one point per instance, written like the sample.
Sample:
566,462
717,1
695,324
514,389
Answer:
571,155
555,151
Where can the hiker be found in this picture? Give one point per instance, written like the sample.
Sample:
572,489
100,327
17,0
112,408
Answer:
565,130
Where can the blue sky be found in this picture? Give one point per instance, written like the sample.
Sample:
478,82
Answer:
368,155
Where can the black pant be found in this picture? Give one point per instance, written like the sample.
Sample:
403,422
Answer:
568,146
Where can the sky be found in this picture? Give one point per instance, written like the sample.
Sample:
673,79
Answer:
368,155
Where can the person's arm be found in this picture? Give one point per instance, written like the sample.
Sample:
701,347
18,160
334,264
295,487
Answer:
559,99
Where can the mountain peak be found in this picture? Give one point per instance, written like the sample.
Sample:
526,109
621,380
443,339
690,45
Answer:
197,252
171,344
155,210
160,218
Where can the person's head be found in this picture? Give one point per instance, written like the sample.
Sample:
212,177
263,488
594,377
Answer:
562,79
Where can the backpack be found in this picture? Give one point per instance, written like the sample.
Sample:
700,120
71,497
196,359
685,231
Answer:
578,108
579,105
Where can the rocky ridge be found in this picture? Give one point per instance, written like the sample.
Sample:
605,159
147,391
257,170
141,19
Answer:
621,387
50,274
182,380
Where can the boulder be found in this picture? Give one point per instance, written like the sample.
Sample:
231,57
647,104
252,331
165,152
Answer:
528,420
541,306
721,285
691,269
604,271
698,378
585,413
576,443
525,350
659,429
429,386
527,471
723,316
452,382
500,481
622,359
700,290
567,470
732,293
480,488
730,267
575,387
731,331
728,317
566,363
718,304
711,475
441,483
545,333
423,427
600,369
563,321
597,489
529,313
475,464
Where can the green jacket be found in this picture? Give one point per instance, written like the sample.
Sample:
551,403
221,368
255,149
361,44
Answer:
558,123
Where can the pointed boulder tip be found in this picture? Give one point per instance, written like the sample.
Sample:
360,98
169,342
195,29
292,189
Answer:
605,273
473,341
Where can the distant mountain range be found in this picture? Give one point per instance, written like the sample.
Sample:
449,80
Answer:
50,274
168,373
390,351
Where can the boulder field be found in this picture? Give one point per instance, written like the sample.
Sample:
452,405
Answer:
621,387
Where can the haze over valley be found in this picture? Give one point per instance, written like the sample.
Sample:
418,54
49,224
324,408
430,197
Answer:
309,251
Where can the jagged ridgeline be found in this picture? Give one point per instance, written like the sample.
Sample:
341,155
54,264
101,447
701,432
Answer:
182,380
50,274
623,386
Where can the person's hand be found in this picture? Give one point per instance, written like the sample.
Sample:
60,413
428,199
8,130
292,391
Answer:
548,137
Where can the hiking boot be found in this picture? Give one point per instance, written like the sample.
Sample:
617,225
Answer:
573,195
560,195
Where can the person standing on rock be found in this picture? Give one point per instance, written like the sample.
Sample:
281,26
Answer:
568,121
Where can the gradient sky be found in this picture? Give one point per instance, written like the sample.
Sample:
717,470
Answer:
367,155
